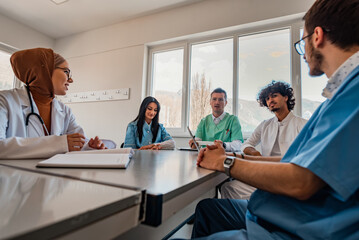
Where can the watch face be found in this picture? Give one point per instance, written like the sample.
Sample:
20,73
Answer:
228,161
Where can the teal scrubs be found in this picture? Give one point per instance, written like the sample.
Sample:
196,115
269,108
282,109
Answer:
227,130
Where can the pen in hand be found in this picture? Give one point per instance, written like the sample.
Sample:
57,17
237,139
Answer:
193,140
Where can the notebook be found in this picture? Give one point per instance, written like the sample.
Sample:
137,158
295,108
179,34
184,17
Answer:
109,158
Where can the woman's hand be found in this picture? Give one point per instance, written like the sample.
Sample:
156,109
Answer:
96,143
75,141
156,147
151,147
147,147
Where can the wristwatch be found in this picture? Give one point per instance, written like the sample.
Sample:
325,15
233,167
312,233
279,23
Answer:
227,164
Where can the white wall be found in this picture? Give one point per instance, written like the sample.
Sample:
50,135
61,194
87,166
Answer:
20,36
115,56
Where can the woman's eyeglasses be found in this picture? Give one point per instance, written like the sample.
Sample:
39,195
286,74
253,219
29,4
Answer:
67,71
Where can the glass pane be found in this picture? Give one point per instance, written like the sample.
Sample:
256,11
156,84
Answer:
263,57
211,67
167,86
6,73
312,88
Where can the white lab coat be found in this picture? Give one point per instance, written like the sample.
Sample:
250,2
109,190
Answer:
266,133
18,141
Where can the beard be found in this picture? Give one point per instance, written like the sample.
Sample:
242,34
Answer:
316,59
274,109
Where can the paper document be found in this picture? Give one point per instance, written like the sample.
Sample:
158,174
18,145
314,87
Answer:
204,143
86,160
106,151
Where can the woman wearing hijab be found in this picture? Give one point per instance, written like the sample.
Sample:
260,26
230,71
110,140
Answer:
33,124
145,132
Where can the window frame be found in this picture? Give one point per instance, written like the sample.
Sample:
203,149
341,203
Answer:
8,49
294,23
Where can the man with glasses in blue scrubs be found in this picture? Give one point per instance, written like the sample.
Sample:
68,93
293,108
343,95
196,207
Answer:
313,192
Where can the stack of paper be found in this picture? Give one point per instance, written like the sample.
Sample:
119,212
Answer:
109,158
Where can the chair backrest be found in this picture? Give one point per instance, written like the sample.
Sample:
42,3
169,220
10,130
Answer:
109,143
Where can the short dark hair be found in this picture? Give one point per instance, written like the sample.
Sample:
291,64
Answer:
339,20
219,90
276,87
141,118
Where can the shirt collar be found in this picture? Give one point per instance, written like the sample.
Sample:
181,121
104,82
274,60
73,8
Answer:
339,75
286,119
220,118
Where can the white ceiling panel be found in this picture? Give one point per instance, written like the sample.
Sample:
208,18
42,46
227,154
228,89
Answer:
74,16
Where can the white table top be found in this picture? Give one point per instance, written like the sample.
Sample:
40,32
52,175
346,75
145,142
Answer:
34,205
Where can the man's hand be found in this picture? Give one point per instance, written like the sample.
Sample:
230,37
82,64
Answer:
191,144
96,143
75,141
212,157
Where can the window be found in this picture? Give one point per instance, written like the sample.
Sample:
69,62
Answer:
241,62
211,67
312,88
167,85
6,73
263,57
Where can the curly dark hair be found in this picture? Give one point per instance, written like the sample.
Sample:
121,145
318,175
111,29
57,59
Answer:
276,87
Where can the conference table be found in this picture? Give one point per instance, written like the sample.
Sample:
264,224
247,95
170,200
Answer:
169,181
38,206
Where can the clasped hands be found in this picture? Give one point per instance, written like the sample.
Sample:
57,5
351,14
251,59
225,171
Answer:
212,156
151,147
76,141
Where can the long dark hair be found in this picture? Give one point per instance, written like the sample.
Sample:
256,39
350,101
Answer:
141,118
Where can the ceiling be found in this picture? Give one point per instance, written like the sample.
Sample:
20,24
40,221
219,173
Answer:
76,16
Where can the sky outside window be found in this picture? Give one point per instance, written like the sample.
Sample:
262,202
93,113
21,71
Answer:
263,57
6,73
167,85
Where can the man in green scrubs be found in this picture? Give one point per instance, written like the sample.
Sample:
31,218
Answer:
220,125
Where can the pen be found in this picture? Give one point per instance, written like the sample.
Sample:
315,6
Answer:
227,131
193,140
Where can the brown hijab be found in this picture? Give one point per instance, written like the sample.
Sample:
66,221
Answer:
34,67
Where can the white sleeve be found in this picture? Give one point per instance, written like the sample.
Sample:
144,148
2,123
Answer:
255,138
39,147
233,146
169,144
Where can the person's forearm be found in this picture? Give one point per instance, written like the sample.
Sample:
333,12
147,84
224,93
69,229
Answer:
262,158
279,178
168,144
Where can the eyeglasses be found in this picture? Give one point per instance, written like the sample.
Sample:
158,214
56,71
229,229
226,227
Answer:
67,71
300,45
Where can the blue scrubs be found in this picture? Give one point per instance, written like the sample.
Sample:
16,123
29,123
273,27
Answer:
132,140
327,146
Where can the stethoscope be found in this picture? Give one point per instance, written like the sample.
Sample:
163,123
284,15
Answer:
33,113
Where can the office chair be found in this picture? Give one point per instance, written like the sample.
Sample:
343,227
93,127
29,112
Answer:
109,143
